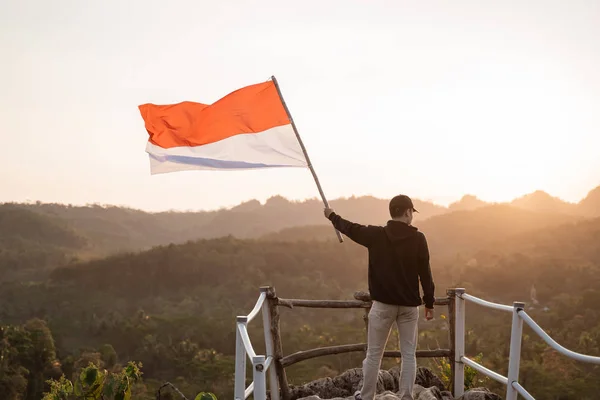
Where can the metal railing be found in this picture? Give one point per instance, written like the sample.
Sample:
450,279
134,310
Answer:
513,388
261,364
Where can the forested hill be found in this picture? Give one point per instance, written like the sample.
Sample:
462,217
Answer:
457,232
173,307
35,238
323,267
111,229
29,240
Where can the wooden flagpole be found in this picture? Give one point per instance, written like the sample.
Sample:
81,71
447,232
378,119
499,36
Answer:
310,166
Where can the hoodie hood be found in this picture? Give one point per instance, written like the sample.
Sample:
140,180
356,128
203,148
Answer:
396,231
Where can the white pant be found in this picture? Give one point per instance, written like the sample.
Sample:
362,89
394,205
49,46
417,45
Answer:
381,318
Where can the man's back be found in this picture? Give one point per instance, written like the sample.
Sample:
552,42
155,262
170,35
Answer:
398,257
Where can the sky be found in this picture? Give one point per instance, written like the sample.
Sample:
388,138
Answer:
434,99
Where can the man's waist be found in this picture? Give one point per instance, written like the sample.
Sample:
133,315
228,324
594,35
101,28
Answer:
397,299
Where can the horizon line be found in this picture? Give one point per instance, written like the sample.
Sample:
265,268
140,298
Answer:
431,201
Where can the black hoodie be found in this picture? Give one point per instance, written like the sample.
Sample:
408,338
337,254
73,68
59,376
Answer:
398,257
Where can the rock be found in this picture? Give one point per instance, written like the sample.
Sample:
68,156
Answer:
313,397
343,385
425,378
387,395
385,381
419,393
351,380
479,394
346,384
324,388
395,372
427,387
431,393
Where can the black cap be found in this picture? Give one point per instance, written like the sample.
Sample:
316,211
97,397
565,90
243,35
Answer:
401,203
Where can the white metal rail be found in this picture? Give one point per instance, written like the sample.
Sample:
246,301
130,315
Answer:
552,343
261,364
495,376
513,387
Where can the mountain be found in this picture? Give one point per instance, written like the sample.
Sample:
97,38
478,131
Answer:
571,242
111,229
38,237
18,224
543,202
468,202
540,201
464,231
106,230
31,243
590,205
226,272
454,232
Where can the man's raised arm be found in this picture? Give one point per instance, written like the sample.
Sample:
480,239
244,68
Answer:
361,234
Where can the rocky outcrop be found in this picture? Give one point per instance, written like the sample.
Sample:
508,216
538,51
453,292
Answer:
479,394
427,387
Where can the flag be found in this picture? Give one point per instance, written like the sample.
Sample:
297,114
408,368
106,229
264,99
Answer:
247,129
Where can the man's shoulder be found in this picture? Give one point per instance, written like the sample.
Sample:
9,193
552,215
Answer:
375,228
421,235
375,231
422,240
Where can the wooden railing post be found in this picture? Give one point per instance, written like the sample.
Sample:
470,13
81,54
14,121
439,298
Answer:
269,344
452,334
277,346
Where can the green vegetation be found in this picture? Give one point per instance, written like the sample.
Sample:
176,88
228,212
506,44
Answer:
472,378
94,383
171,308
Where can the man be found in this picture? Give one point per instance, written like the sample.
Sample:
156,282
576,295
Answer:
398,257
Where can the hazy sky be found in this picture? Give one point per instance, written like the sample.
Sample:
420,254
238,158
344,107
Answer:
430,98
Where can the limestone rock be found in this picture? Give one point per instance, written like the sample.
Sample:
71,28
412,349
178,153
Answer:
350,380
387,395
431,393
419,393
427,387
321,388
313,397
425,378
346,384
479,394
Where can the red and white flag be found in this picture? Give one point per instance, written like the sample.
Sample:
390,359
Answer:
247,129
